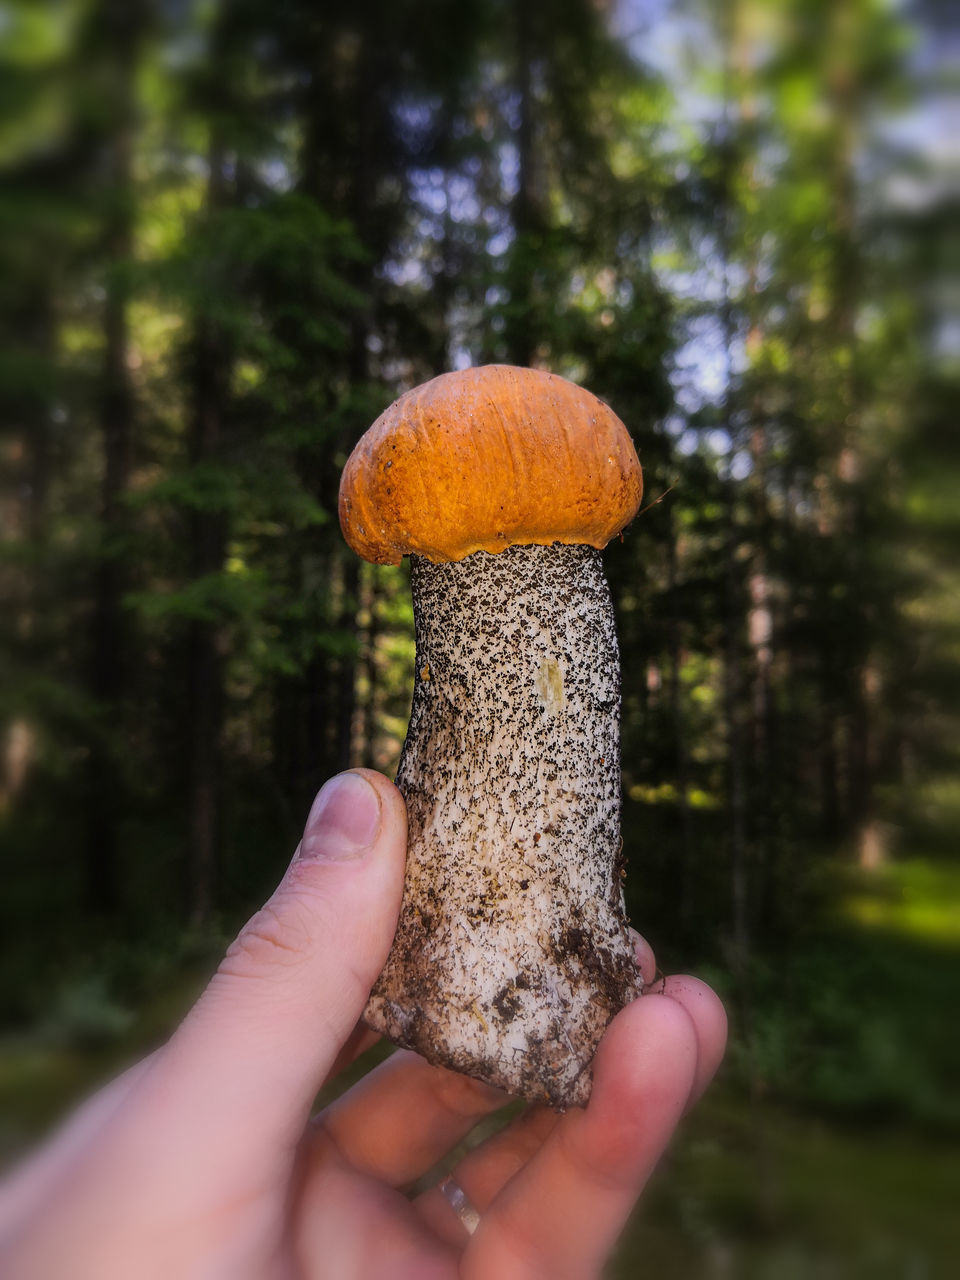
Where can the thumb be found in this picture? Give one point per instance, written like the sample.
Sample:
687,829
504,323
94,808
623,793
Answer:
264,1034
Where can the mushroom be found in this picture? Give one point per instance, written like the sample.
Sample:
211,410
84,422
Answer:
512,951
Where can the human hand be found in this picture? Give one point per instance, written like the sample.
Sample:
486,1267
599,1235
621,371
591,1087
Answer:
202,1162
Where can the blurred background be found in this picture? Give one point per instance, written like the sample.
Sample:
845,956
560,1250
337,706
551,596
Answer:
231,233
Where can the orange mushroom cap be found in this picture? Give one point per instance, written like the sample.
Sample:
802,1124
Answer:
486,458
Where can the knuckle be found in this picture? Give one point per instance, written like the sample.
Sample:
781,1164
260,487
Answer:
279,936
603,1162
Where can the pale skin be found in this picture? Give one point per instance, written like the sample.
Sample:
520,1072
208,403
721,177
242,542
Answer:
203,1162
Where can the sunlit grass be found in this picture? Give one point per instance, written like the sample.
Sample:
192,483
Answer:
667,793
754,1192
938,801
917,899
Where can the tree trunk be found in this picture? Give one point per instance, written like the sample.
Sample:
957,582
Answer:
687,859
520,336
346,686
208,535
371,704
341,120
109,646
844,92
736,765
764,771
41,329
737,109
828,761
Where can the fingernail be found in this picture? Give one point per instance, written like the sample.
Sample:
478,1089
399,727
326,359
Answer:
343,822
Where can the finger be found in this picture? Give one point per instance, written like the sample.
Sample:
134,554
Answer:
643,953
560,1215
401,1118
485,1171
709,1017
252,1053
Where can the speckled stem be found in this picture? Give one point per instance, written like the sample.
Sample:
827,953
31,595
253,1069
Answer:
512,953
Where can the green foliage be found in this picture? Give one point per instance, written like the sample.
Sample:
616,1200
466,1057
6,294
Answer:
216,597
273,263
82,1014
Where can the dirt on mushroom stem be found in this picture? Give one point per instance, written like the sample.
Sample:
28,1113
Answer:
512,953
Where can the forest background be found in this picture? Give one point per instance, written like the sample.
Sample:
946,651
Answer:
230,234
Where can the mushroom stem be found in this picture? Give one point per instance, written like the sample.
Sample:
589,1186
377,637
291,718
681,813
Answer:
512,951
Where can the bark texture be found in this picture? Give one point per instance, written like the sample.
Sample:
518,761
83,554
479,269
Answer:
512,952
